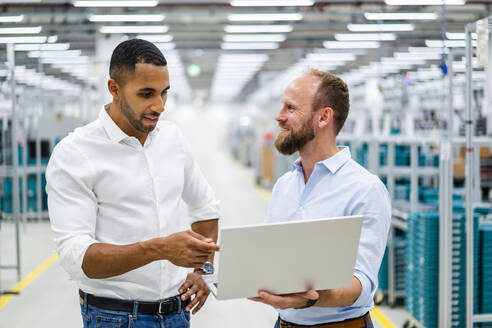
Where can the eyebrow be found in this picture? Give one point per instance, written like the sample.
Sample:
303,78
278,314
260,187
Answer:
148,89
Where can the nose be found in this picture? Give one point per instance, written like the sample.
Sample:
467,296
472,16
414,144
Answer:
280,117
158,105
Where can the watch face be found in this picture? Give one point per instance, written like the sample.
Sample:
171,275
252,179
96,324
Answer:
208,268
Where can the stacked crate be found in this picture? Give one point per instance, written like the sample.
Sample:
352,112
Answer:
422,273
383,273
485,279
400,262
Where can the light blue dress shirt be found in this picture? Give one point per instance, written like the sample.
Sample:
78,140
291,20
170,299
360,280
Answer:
338,186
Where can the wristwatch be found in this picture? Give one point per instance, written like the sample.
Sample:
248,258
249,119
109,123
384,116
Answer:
206,268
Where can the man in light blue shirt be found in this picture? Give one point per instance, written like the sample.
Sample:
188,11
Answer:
326,182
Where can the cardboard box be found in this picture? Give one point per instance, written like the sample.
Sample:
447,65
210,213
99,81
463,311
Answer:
267,164
484,152
459,168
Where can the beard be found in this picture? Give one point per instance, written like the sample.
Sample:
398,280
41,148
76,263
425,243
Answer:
295,140
132,116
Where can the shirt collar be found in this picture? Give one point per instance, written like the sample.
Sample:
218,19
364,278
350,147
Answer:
113,130
333,163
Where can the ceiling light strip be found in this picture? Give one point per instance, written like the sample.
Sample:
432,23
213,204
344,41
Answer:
265,17
271,3
115,3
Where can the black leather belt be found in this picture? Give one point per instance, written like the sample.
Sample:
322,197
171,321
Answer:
166,306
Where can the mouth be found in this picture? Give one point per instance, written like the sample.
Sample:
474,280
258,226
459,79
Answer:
152,119
284,130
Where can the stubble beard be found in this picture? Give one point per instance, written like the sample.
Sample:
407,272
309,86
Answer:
132,117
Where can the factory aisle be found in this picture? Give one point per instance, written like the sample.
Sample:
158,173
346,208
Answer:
50,300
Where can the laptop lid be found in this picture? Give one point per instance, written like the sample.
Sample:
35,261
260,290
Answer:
287,257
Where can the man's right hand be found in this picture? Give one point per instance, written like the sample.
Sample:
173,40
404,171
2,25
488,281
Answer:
187,249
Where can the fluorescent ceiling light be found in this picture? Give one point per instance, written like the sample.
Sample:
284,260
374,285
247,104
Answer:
223,68
330,57
134,29
408,55
126,18
43,47
365,36
52,39
448,43
380,27
258,28
246,66
70,66
400,16
21,1
54,54
350,44
423,2
66,60
20,30
11,19
115,3
459,36
425,50
266,17
155,38
248,45
271,3
165,46
388,64
23,39
238,58
254,38
402,60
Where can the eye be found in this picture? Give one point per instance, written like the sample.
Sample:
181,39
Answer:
146,94
290,107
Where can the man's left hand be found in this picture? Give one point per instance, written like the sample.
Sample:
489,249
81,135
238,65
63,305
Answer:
297,300
194,285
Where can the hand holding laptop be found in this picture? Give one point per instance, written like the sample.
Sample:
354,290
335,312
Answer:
286,301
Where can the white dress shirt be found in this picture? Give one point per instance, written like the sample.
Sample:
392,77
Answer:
105,187
338,186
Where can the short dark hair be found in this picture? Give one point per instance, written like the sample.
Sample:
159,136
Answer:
131,52
332,92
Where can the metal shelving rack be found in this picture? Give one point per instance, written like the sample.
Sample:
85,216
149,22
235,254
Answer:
447,144
471,164
14,171
15,163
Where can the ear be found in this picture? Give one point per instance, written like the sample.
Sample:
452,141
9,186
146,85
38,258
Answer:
325,117
114,88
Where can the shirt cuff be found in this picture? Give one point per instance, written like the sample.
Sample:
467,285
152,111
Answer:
72,256
209,211
365,297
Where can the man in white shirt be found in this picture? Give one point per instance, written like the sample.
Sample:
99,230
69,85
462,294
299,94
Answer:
114,188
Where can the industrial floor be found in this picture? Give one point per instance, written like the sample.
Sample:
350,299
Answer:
49,299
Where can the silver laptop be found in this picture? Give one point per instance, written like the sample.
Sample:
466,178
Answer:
286,257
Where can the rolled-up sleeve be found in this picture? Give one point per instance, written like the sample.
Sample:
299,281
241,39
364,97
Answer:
374,203
197,193
72,206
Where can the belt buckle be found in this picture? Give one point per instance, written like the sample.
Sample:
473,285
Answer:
163,302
